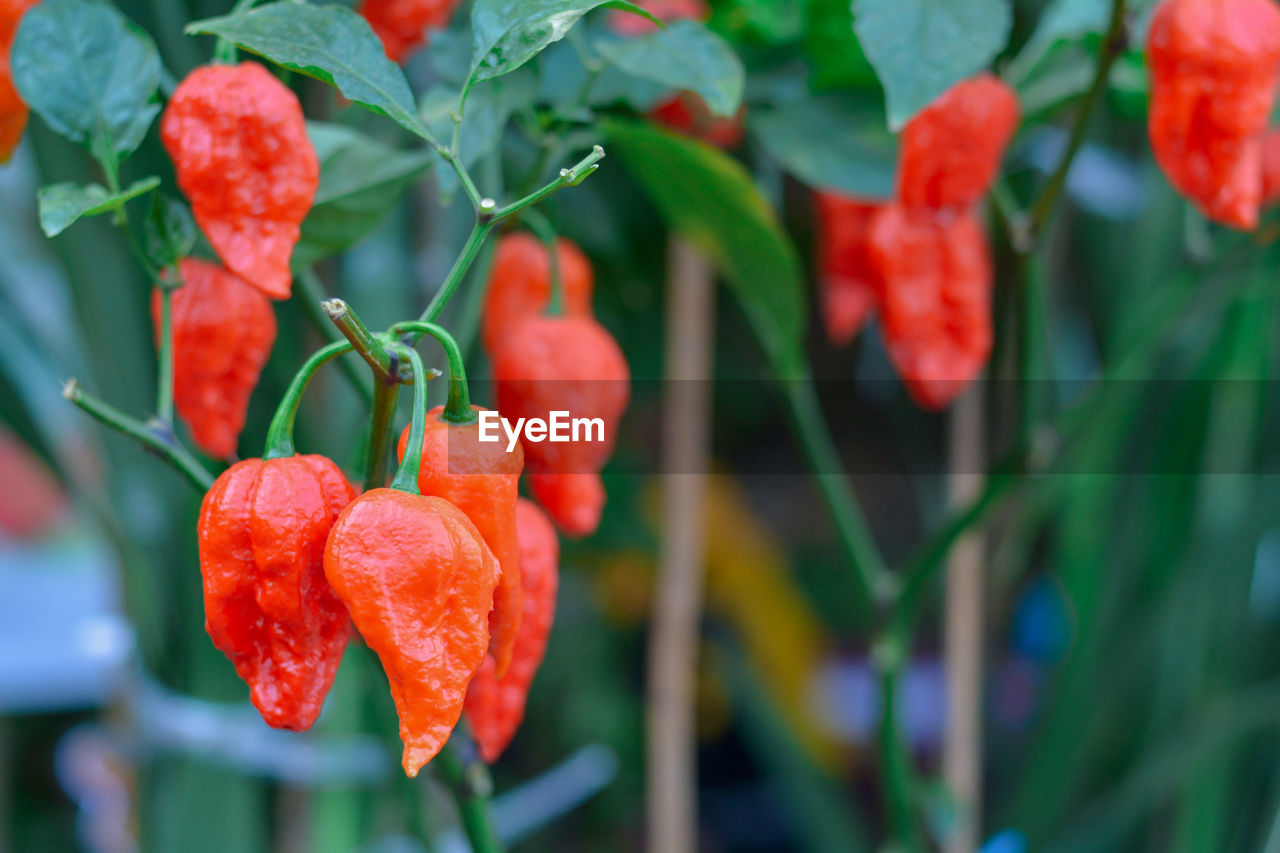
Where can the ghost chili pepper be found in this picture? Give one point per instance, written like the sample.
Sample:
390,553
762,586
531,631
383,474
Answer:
223,331
1213,79
239,144
495,704
480,478
520,284
568,365
418,581
950,153
262,531
13,110
403,24
847,282
935,312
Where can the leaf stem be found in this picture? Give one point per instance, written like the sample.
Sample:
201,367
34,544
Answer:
406,479
1112,46
155,436
570,177
164,358
875,584
386,369
458,409
470,250
468,779
280,433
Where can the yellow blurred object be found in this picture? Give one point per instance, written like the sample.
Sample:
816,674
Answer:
749,586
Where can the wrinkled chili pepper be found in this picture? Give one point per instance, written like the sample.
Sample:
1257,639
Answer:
483,480
495,704
847,284
403,24
13,110
951,151
935,312
1271,167
223,331
262,531
520,283
418,581
239,144
565,364
1213,79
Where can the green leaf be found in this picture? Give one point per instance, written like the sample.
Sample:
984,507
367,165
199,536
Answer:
709,198
169,233
685,55
63,204
330,43
921,48
834,53
508,33
89,73
836,142
361,181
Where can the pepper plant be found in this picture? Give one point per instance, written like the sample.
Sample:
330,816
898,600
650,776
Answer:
257,188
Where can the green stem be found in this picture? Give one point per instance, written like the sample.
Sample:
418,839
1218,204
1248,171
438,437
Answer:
570,177
471,786
874,580
542,228
164,378
470,250
406,479
366,343
381,414
224,52
458,408
1112,47
280,433
311,294
897,776
156,438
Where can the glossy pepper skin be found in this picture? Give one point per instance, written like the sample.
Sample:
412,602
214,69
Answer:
418,581
239,144
1213,78
847,281
950,153
520,284
13,110
568,364
223,331
935,311
402,24
262,532
483,480
495,705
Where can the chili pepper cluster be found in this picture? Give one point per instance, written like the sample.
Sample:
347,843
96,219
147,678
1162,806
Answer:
921,261
559,359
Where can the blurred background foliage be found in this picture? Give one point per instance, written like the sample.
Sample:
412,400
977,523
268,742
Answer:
1133,697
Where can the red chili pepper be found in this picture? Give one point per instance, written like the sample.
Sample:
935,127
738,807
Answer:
495,704
1271,167
239,143
570,365
223,330
403,24
418,581
935,309
13,111
483,480
689,114
520,284
32,500
1213,80
846,279
263,527
950,153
